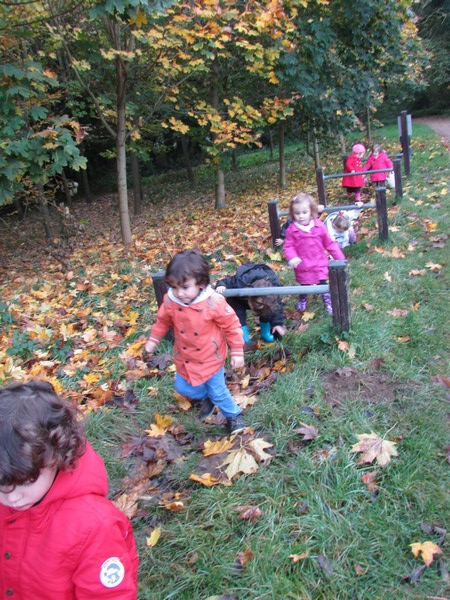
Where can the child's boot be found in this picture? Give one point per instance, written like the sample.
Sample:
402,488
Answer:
301,305
245,331
327,303
266,333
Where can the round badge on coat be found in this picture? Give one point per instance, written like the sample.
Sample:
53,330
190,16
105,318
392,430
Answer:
112,572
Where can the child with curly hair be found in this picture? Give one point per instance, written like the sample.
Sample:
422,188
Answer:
60,536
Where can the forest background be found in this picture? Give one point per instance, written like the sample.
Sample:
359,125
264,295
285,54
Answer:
346,461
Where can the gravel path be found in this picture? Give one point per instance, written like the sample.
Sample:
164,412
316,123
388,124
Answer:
441,125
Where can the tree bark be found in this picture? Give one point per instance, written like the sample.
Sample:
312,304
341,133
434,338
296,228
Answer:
86,187
43,208
281,157
187,158
66,188
220,188
316,150
220,176
137,188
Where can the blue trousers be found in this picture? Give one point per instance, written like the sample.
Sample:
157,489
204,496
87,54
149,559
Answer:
215,389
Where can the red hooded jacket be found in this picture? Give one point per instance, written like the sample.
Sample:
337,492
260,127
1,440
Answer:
73,545
380,162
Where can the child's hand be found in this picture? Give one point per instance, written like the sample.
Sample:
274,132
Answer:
279,242
359,204
237,362
320,208
295,262
279,329
150,347
220,289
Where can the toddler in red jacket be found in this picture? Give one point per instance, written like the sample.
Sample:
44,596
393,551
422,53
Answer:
204,325
60,536
353,164
378,160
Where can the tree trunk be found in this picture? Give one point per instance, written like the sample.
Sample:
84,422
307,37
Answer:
220,188
187,158
316,150
281,157
86,187
137,188
271,144
234,164
369,129
43,208
122,189
66,189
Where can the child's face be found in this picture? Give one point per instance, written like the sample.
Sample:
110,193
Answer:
27,495
302,213
186,291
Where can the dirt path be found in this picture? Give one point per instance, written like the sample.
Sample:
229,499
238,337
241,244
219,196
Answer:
441,125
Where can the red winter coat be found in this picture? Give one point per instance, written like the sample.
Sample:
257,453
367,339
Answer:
313,247
353,163
201,332
73,545
382,161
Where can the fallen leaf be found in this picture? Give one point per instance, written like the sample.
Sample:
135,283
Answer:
360,570
298,557
217,447
428,550
307,316
374,447
387,276
154,537
309,432
403,339
244,557
257,447
398,312
433,266
239,461
445,381
128,504
249,512
369,480
205,479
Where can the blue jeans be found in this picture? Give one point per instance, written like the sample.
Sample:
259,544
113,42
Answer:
215,389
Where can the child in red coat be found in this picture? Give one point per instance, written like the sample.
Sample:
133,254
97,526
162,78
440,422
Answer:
203,325
378,160
60,536
353,163
307,246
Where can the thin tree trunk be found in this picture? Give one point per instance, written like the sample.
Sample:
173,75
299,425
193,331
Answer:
86,187
66,189
369,128
137,188
271,144
220,188
281,157
43,208
187,158
316,150
122,189
234,164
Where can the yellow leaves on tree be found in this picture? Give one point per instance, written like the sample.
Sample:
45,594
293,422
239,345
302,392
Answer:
374,447
427,549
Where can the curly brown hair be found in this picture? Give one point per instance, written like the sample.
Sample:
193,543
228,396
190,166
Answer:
37,430
187,264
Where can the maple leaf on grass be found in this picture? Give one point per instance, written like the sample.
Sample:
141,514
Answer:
249,512
217,447
239,461
309,432
205,479
427,549
374,447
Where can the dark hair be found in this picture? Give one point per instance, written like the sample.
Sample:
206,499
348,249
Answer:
300,199
187,264
37,430
262,305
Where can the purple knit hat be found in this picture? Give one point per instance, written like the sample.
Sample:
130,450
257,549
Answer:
358,148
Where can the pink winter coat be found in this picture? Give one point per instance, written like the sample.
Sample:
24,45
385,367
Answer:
73,545
353,163
313,247
380,162
201,330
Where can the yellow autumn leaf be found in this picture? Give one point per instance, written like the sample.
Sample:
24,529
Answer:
239,461
403,339
257,448
205,479
154,537
159,428
307,316
91,378
222,445
298,557
428,550
135,349
374,447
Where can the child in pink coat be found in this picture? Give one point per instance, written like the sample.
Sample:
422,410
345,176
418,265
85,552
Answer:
307,246
378,160
353,164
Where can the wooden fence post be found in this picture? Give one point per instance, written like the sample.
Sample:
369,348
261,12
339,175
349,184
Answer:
274,220
340,294
160,287
405,141
321,186
380,201
398,177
